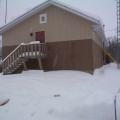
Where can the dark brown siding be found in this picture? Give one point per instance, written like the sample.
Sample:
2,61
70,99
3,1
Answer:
97,55
6,50
69,55
84,55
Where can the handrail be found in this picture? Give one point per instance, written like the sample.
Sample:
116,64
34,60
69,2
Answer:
24,51
31,43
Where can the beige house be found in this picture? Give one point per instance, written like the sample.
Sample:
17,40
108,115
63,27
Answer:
73,38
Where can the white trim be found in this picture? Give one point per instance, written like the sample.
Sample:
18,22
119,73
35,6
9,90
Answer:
45,18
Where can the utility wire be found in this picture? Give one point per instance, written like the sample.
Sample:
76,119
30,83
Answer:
6,13
0,7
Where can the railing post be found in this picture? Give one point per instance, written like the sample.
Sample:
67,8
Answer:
35,50
46,50
21,52
8,64
31,50
18,55
13,59
39,50
28,51
3,67
24,50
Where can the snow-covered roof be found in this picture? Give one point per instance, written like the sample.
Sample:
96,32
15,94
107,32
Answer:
93,18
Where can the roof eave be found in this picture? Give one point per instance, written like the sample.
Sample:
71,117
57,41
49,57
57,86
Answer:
24,17
98,29
40,8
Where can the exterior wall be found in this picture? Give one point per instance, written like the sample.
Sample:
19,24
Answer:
96,51
60,26
97,55
69,39
65,55
69,55
84,55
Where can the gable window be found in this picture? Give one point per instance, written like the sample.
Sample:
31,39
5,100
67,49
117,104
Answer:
43,18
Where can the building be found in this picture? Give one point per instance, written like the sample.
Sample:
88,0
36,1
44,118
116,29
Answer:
73,38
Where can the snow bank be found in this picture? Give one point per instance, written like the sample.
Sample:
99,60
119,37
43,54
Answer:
82,96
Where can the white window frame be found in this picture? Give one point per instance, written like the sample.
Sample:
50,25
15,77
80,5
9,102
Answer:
45,17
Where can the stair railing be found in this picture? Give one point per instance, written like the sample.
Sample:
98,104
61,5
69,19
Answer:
23,51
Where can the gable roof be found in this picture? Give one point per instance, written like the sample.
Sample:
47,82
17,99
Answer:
90,17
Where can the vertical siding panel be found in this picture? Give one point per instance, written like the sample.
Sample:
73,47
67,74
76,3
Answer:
69,55
97,55
72,55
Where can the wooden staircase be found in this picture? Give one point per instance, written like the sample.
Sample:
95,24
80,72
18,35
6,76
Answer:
23,53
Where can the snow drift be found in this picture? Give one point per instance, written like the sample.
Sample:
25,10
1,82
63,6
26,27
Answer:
82,96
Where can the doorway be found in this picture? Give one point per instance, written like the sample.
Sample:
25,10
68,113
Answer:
40,36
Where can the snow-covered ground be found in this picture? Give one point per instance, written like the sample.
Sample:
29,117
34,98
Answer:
82,96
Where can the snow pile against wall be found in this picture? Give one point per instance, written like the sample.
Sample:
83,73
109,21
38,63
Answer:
81,96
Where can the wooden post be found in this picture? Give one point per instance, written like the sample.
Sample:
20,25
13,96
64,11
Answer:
18,55
3,68
24,51
40,63
8,64
35,50
21,52
28,51
39,50
31,50
25,67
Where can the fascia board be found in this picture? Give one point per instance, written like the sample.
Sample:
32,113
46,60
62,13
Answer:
99,31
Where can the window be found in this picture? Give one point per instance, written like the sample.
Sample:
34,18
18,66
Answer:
43,18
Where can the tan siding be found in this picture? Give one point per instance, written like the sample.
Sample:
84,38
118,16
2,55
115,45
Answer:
60,26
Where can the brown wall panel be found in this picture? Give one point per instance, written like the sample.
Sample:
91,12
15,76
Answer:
97,55
69,55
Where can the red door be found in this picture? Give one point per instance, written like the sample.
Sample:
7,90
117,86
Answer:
40,36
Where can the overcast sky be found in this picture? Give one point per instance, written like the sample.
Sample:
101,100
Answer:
105,9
